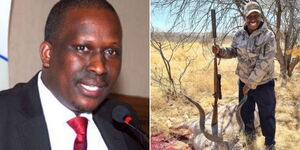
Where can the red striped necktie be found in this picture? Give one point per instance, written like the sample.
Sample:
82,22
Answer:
79,125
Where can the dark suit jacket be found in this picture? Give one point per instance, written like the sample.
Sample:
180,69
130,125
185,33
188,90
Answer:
23,126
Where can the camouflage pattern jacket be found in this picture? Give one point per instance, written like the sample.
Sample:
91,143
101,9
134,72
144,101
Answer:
255,54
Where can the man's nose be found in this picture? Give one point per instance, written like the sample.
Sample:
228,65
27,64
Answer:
97,63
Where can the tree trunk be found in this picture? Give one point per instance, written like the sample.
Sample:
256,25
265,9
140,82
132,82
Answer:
279,55
288,41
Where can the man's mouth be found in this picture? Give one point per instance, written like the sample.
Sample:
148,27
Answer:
253,23
90,90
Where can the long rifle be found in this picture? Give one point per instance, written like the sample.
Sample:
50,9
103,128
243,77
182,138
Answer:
217,80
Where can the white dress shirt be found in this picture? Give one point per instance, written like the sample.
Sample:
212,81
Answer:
61,135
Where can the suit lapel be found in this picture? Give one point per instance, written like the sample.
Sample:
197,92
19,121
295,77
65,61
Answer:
34,134
32,125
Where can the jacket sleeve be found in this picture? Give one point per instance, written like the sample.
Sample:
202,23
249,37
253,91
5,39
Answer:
264,63
229,52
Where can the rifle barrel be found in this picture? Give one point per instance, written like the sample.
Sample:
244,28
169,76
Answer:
213,21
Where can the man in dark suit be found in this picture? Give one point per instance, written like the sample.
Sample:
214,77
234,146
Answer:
65,106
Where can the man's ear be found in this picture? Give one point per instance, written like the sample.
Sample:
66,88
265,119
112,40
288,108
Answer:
45,53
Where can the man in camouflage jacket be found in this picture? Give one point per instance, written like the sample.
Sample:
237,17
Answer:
254,46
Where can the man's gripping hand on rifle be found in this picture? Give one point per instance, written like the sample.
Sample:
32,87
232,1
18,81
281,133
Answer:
216,49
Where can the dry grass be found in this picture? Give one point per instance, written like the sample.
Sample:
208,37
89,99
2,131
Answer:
198,83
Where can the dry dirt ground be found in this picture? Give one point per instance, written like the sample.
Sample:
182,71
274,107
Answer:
198,83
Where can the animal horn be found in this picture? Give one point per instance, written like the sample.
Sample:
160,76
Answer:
238,113
209,136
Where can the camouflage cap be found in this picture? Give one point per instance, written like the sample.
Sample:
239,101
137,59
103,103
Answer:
251,7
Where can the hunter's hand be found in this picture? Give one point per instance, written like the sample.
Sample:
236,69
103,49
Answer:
216,49
246,89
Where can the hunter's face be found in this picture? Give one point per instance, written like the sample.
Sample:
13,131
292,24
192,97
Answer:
253,20
84,59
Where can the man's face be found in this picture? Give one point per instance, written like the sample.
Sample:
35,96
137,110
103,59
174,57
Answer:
84,59
253,21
